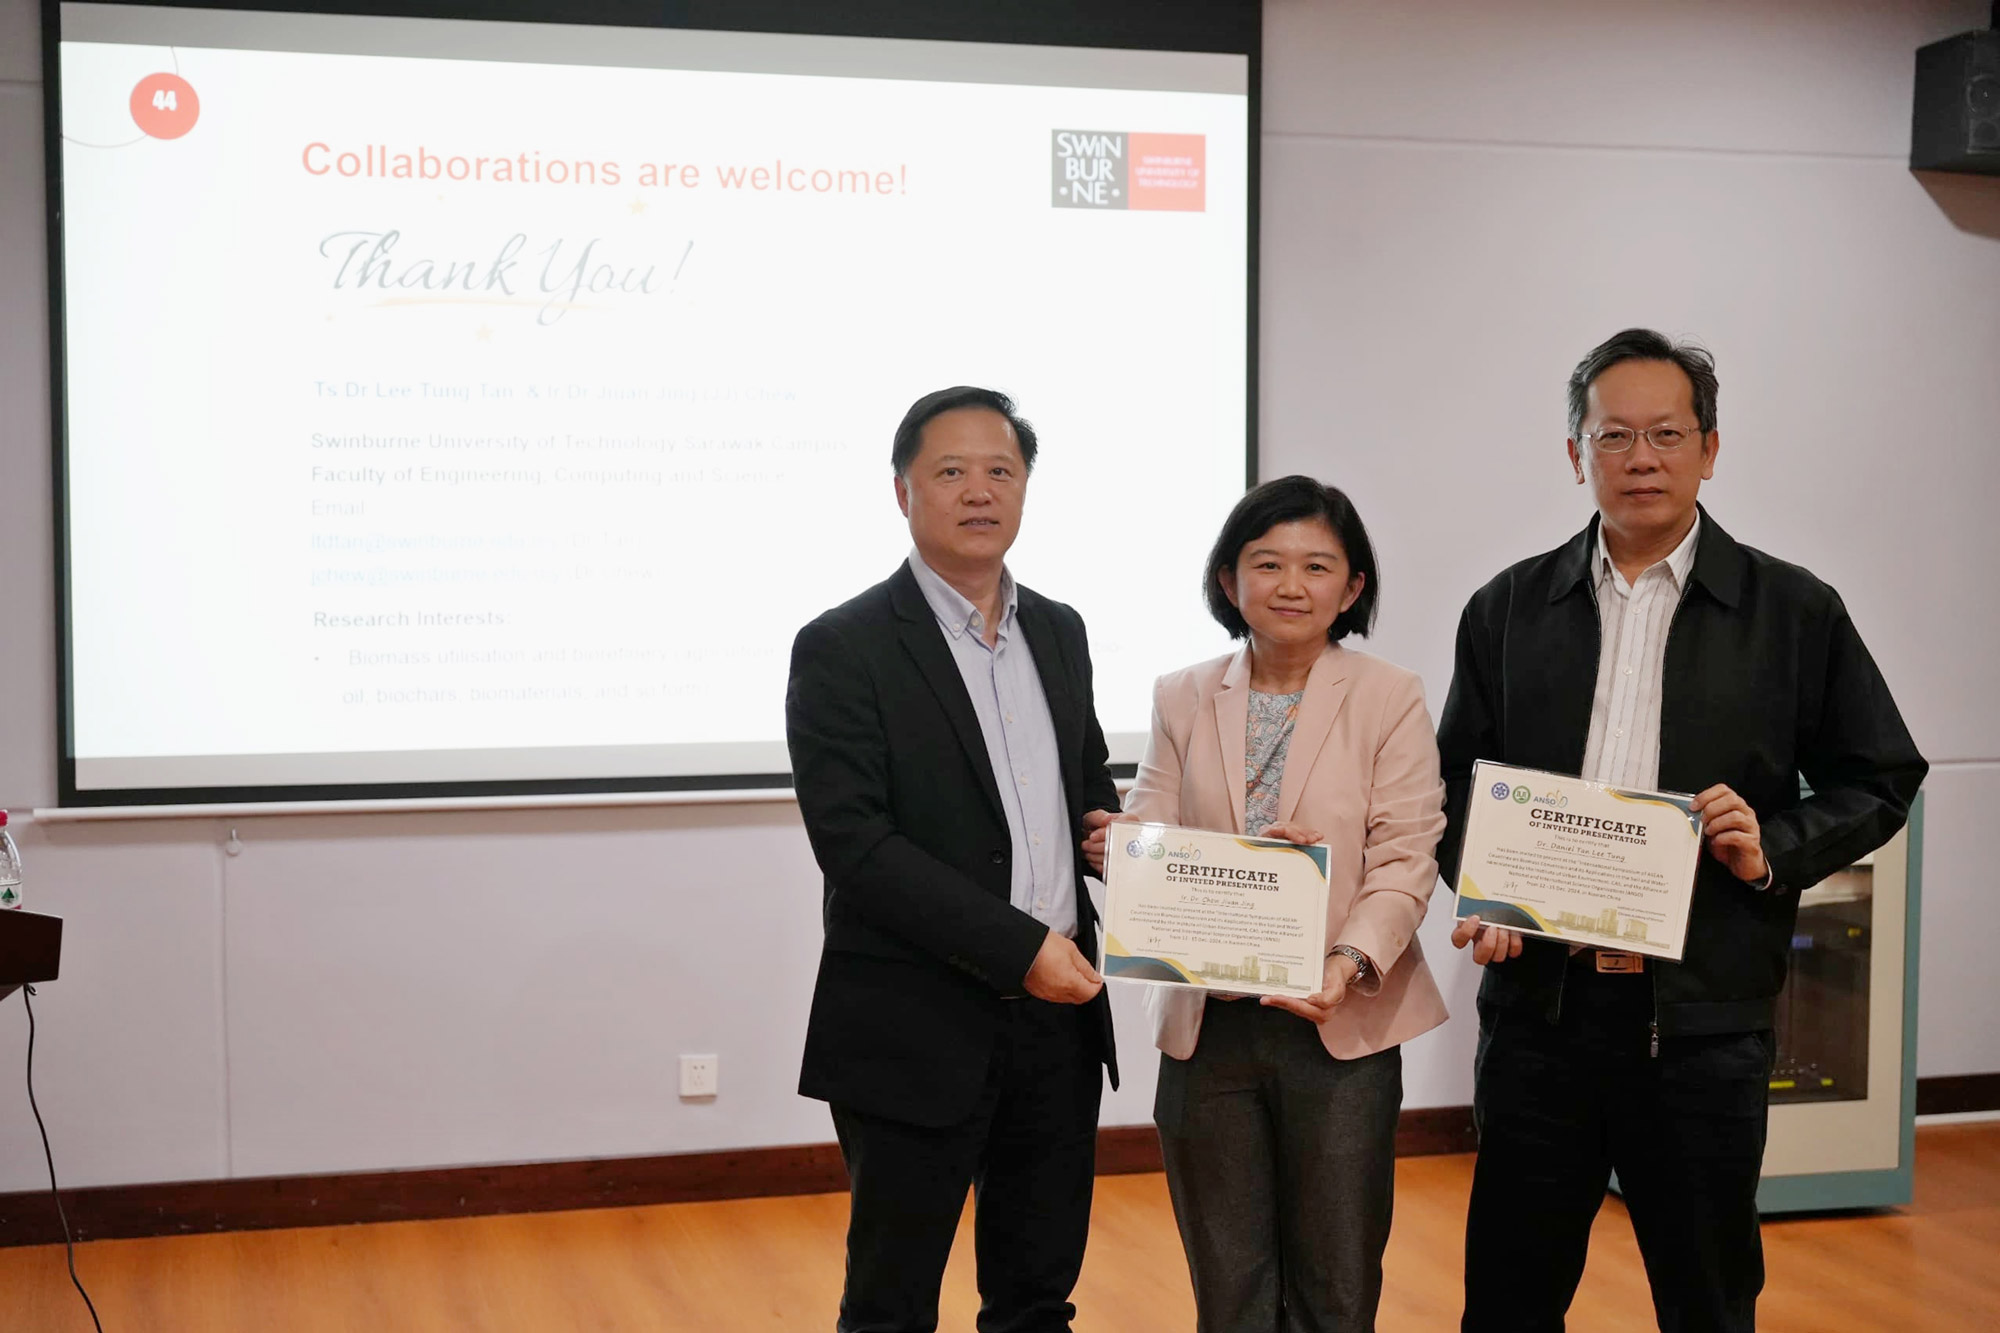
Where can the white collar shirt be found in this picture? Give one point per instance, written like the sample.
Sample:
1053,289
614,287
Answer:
1633,622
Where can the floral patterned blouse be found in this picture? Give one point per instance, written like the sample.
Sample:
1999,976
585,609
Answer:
1267,738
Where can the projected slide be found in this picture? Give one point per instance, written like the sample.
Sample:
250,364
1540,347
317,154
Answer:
454,403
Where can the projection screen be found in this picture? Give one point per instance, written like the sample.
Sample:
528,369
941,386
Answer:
451,406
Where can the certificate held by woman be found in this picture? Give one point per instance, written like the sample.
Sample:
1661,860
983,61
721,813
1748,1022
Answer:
1185,907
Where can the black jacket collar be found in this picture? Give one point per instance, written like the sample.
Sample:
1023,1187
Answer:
1718,562
906,595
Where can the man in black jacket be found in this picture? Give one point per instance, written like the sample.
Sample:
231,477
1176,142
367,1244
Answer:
1653,651
948,762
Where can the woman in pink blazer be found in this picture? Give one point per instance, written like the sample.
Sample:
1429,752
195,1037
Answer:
1277,1117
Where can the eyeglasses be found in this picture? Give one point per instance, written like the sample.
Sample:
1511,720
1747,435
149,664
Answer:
1618,439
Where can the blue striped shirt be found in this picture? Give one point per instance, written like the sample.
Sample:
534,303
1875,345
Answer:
1020,737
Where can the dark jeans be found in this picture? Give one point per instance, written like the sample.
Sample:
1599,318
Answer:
1281,1162
1559,1107
1029,1153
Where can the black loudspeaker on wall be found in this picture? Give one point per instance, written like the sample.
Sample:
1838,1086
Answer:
1957,121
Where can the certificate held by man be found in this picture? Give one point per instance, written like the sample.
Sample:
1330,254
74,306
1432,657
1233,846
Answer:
1185,907
1589,864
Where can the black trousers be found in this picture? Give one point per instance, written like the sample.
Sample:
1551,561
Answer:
1281,1161
1029,1153
1561,1106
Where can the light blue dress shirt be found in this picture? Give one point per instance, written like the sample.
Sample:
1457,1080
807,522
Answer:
1020,734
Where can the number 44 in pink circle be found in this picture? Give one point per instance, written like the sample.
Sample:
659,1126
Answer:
165,106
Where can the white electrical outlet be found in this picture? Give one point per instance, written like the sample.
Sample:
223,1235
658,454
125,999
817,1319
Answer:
700,1076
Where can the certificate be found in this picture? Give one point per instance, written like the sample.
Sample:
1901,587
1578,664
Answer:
1560,857
1188,908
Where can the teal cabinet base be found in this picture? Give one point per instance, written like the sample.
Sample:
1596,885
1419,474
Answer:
1827,1191
1835,1189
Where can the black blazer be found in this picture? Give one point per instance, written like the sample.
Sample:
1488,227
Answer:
1765,680
923,948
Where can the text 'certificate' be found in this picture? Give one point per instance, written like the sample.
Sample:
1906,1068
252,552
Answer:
1606,867
1188,908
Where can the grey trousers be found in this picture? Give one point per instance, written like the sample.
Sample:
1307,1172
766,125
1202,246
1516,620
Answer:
1281,1161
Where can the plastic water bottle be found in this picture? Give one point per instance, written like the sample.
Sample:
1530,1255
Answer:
10,867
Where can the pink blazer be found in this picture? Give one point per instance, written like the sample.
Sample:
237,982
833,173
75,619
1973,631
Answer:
1362,769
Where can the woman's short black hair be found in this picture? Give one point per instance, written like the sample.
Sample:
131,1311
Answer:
1288,500
910,433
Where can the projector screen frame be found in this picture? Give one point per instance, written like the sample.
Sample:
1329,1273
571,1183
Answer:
1230,27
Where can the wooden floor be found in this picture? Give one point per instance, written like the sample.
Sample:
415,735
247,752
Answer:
769,1264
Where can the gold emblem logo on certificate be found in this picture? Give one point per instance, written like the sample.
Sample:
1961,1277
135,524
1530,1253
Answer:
1582,862
1188,908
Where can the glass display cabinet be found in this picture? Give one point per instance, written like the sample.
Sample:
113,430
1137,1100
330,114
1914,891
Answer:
1843,1092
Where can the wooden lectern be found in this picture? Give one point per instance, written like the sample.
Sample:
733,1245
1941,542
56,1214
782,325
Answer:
30,947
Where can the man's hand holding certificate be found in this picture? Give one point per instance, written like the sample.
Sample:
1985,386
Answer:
1189,908
1579,861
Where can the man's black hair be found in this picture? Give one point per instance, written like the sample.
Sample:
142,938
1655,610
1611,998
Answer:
910,434
1644,345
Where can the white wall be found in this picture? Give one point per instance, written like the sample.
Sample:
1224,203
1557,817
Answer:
1459,199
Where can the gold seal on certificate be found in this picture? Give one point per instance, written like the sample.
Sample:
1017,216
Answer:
1606,867
1188,908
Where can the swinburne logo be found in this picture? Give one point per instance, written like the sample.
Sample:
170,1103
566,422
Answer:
1114,169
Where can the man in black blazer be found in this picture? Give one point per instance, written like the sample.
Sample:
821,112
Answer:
948,762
